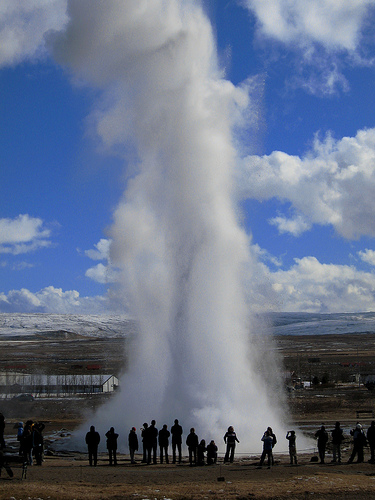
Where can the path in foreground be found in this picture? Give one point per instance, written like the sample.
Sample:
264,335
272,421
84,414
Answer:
68,478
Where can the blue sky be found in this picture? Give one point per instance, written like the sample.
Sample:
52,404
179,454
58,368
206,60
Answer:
305,169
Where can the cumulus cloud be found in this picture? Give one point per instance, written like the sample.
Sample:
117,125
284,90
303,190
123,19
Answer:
333,184
311,286
367,256
51,300
23,234
101,251
332,24
101,273
295,226
323,35
23,26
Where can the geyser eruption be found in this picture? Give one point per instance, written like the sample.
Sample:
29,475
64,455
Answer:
183,257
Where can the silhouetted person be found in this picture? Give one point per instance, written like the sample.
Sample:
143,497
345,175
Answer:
274,441
371,441
153,444
211,453
322,437
2,430
200,452
359,441
27,442
164,443
38,442
133,444
291,437
145,441
192,444
112,436
176,432
92,441
337,439
230,439
267,439
19,436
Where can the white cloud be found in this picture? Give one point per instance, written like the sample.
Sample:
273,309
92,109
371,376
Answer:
368,256
102,250
23,234
336,25
322,36
51,300
295,226
334,183
311,286
23,25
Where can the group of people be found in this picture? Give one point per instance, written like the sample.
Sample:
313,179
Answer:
360,440
199,452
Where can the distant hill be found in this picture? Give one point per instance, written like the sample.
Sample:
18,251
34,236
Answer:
14,325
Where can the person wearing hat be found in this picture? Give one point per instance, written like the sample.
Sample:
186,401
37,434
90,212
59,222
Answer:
359,441
133,444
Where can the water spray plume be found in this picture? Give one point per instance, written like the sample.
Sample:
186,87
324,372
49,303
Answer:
183,256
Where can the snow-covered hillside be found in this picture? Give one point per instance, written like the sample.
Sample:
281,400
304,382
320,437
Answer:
14,324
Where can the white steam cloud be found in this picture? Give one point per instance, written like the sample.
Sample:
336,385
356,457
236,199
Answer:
175,237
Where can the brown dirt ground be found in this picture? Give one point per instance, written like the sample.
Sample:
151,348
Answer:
68,477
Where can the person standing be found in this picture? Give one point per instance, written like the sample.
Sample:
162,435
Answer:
359,441
291,437
192,444
145,441
38,442
267,439
153,444
371,441
337,439
230,439
112,436
133,444
201,451
176,432
27,443
322,437
164,443
269,432
92,441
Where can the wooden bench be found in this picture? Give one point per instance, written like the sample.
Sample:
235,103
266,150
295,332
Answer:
365,413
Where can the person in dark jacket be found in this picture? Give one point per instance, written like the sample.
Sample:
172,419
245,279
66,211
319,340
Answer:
371,441
359,441
192,444
133,444
322,437
27,442
164,443
176,431
337,439
92,441
112,436
230,439
145,440
153,442
38,442
4,464
211,453
291,437
269,432
200,452
267,439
